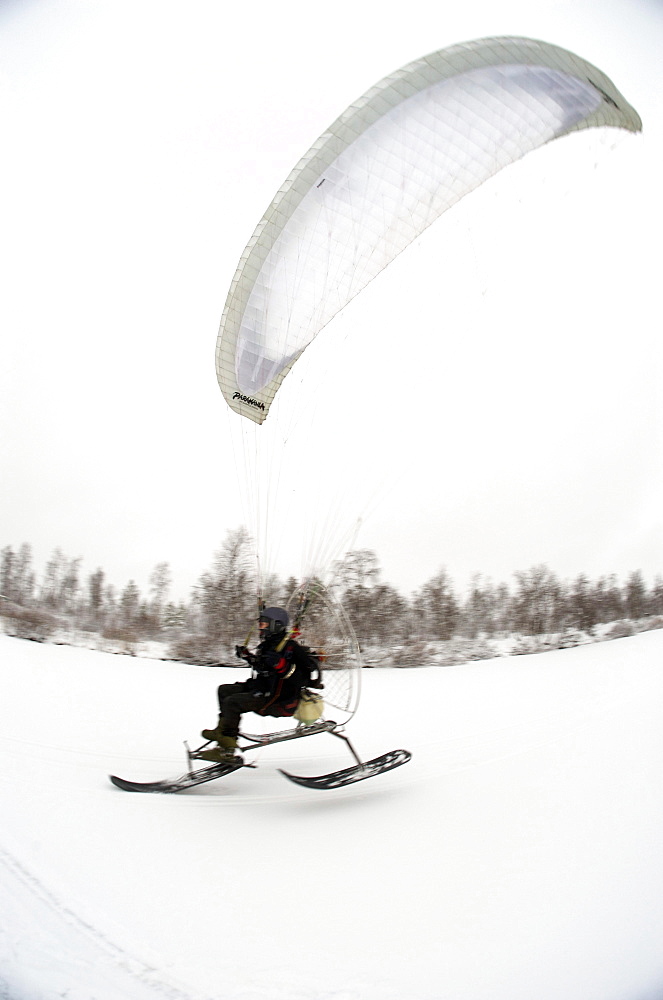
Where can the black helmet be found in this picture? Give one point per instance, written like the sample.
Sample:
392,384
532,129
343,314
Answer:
276,618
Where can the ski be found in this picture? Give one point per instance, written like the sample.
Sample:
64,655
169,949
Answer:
266,739
188,780
349,775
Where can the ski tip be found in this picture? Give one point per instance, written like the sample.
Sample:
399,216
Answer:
120,783
295,778
140,786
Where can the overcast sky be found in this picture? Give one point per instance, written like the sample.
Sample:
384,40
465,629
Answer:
142,141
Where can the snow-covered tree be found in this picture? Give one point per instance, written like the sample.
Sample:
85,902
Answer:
436,608
226,595
635,595
160,583
538,604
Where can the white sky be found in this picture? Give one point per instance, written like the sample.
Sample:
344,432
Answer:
142,142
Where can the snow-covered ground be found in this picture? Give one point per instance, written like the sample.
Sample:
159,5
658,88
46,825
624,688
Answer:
517,857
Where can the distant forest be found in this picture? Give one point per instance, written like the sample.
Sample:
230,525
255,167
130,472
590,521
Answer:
58,600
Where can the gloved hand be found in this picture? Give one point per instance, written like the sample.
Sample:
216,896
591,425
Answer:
241,652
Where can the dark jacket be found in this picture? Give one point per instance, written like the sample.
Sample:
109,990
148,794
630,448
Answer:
280,673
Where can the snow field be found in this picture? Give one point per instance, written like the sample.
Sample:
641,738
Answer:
516,856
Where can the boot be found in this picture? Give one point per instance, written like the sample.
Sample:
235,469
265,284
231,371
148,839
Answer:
214,734
222,753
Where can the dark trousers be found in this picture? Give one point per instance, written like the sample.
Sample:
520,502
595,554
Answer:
234,700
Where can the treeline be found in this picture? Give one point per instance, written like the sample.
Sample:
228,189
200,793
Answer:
206,628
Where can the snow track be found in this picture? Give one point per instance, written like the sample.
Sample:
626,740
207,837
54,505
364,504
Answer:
67,953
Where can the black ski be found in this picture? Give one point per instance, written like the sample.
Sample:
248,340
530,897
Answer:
358,772
266,739
188,780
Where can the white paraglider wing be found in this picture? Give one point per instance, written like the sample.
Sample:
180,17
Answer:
398,158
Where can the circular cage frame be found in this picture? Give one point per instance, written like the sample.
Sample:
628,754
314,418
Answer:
327,630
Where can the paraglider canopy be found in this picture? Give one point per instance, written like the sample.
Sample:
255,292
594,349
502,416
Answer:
394,161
